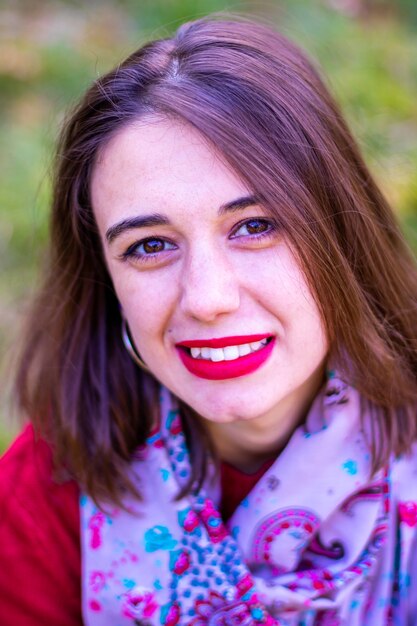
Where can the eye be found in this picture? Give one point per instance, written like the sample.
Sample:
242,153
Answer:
148,249
254,227
152,246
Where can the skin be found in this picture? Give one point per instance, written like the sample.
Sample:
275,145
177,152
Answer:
207,273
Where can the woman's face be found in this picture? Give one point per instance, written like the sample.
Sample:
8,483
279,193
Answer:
214,298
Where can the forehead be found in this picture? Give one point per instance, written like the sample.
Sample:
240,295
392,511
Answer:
160,164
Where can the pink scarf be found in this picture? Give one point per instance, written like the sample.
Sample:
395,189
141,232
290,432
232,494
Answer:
318,541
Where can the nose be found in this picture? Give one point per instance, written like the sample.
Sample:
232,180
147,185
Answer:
210,287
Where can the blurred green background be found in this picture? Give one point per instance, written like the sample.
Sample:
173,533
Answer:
51,50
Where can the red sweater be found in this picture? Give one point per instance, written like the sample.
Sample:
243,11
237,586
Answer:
40,560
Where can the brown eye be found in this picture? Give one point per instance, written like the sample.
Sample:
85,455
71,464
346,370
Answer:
152,246
150,249
255,227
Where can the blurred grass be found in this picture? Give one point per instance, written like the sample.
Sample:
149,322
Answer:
50,51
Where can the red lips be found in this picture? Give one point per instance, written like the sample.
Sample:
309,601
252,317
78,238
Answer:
222,342
223,370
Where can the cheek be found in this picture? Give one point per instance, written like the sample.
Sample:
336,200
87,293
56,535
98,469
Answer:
147,303
299,298
290,297
284,289
306,324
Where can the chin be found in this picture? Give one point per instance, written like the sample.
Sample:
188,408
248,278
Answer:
225,413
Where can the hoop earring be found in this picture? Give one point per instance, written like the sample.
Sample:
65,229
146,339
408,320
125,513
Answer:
130,347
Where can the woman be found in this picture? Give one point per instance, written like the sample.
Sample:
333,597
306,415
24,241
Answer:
222,358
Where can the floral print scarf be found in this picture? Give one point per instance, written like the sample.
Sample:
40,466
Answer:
318,541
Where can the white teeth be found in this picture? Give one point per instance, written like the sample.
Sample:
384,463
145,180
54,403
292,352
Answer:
231,353
206,353
244,349
217,354
228,353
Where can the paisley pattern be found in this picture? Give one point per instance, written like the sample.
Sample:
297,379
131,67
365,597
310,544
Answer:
319,541
296,526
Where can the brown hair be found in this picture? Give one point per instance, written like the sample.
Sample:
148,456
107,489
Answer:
262,104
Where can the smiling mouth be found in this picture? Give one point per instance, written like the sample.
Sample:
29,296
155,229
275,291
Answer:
228,353
227,357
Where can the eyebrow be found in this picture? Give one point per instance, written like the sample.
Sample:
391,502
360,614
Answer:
158,219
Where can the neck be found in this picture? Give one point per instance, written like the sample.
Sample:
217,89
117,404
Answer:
248,444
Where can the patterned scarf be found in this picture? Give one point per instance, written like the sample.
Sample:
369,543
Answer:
314,543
